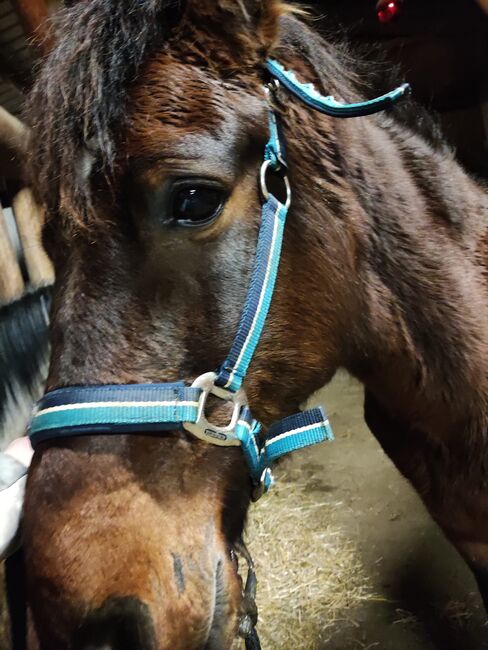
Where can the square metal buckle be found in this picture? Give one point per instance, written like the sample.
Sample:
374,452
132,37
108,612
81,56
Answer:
207,431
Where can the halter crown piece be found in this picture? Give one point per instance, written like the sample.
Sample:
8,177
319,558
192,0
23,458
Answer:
154,408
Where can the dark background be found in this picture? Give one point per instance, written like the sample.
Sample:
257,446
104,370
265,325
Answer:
441,48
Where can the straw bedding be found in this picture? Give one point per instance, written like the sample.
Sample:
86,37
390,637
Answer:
310,575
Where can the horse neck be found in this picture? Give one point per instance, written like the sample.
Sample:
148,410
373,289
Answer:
415,333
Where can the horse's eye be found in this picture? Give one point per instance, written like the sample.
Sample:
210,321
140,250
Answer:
196,205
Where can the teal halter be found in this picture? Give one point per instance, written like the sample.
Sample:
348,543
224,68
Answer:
156,408
328,105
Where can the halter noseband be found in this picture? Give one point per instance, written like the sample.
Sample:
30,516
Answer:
154,408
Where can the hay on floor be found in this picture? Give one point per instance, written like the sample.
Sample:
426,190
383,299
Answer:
310,575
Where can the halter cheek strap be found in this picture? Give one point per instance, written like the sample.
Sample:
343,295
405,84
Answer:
263,279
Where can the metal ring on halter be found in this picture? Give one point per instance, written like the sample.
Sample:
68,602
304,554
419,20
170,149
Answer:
272,86
281,172
207,431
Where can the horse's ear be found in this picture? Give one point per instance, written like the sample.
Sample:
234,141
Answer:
264,16
269,17
258,18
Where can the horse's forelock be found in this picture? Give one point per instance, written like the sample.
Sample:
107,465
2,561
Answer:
80,98
80,95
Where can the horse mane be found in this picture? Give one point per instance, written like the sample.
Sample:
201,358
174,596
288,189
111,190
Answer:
79,101
80,95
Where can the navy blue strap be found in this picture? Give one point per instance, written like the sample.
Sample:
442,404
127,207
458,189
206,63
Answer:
328,105
268,253
113,409
284,437
295,432
152,408
233,370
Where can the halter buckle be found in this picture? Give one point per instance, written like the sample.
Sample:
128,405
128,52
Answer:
207,431
283,193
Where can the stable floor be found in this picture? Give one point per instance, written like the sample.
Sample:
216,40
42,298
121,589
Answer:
420,595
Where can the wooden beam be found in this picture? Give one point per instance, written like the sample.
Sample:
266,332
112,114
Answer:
11,282
13,133
30,217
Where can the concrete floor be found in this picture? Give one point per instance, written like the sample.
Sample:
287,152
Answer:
428,598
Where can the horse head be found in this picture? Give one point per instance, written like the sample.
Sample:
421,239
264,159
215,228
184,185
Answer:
148,131
149,122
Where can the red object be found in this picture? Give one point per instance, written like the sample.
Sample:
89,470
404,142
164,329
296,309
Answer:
388,10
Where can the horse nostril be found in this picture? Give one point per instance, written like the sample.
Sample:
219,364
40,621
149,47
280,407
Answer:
119,624
179,573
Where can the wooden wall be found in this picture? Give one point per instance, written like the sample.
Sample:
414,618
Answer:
24,265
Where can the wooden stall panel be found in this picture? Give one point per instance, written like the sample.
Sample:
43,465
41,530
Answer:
29,217
11,282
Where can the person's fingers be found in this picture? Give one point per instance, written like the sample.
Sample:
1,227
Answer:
21,450
11,502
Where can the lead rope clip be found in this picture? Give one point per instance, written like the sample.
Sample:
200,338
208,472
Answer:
249,610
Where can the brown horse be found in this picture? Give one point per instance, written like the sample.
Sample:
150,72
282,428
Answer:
384,272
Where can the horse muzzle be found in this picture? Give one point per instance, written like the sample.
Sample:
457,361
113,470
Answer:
119,560
127,622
